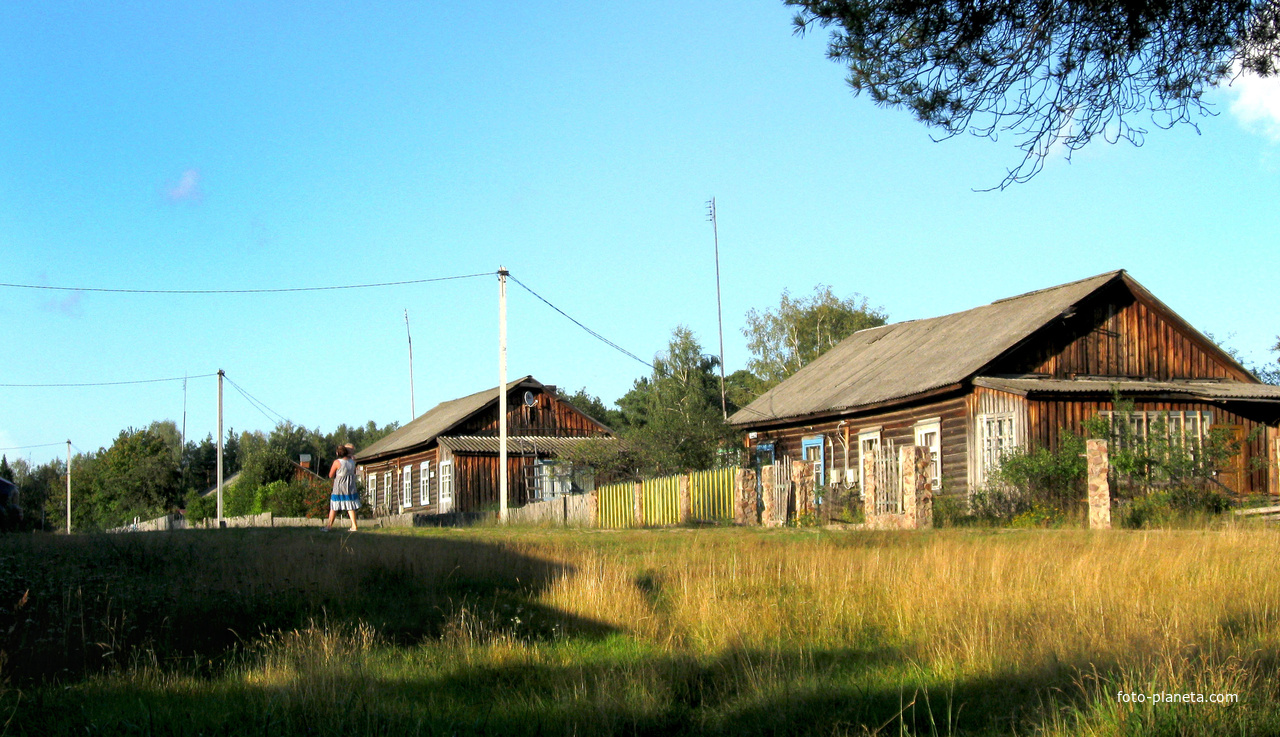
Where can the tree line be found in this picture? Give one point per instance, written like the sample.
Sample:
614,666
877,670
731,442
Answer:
150,471
670,421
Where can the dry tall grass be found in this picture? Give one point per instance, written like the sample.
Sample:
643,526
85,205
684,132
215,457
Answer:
725,631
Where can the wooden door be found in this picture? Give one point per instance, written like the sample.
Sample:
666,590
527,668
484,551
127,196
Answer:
1231,473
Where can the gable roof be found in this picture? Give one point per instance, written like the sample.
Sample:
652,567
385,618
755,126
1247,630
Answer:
910,358
437,420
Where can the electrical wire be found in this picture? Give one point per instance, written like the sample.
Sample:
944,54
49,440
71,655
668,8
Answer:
591,332
257,403
115,383
248,291
40,445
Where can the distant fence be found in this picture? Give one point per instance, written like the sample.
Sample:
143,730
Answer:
669,500
572,510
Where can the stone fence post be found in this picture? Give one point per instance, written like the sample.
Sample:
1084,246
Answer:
1095,452
869,489
917,496
769,514
744,497
802,483
686,497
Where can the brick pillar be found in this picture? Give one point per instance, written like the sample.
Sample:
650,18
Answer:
686,498
917,497
868,486
638,505
802,484
744,497
1095,452
769,515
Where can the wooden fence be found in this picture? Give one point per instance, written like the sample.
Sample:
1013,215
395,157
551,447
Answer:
711,494
616,508
662,501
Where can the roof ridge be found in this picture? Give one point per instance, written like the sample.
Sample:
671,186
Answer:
1112,274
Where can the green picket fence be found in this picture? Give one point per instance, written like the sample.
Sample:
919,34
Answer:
616,505
710,499
661,501
711,494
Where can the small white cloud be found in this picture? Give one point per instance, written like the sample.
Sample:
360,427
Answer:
1257,103
186,189
69,305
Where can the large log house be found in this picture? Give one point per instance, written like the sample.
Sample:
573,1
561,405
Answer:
1015,373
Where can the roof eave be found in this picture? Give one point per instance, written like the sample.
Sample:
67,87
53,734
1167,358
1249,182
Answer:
835,413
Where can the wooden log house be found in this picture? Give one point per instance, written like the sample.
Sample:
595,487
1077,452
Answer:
1016,373
446,460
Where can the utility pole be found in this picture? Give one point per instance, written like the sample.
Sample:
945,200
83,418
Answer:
715,231
502,394
182,447
220,375
68,486
413,412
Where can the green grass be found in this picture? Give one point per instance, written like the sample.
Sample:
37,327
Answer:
709,631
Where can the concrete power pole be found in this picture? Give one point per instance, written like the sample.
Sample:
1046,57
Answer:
715,231
502,394
68,486
220,374
413,410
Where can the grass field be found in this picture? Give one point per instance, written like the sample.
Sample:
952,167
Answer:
710,631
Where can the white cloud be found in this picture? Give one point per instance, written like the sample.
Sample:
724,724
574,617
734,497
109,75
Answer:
69,305
186,189
1257,103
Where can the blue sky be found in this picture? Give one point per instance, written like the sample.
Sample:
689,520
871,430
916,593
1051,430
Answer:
249,145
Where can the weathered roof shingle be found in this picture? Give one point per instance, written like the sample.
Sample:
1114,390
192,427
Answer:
909,358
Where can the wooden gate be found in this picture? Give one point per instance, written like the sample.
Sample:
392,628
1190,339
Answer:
776,507
888,486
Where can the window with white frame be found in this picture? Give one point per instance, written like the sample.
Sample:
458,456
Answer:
868,442
424,483
406,487
1185,429
446,486
371,489
929,435
388,488
998,436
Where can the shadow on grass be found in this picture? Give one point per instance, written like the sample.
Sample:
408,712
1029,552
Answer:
739,693
73,606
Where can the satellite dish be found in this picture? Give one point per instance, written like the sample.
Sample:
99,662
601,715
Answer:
529,399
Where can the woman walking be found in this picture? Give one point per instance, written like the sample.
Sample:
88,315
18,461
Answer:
344,496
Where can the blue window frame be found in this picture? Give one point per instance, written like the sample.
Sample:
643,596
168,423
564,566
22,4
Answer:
814,449
764,454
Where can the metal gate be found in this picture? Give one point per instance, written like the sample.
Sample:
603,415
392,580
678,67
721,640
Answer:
888,484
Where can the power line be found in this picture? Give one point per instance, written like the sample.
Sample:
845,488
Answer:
247,291
115,383
40,445
257,403
591,332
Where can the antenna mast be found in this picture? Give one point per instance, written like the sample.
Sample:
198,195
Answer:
715,231
413,412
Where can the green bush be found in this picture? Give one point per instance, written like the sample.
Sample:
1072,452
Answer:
200,508
952,510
